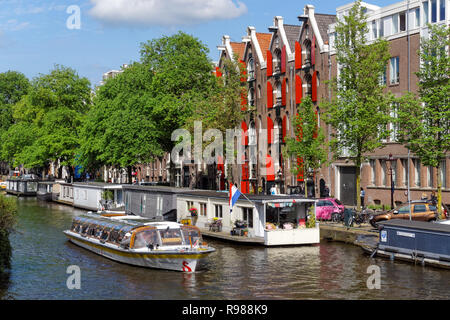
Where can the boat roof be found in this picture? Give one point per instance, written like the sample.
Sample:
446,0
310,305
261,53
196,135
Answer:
119,222
418,225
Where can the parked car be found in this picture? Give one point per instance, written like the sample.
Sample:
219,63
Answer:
326,207
420,211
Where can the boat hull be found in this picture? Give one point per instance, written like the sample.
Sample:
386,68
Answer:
185,261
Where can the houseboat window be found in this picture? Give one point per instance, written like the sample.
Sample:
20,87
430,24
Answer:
146,238
191,235
248,216
203,209
280,214
218,211
170,237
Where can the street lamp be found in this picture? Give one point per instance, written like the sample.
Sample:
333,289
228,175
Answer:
391,173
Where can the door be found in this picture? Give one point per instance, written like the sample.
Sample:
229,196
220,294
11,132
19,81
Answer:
348,185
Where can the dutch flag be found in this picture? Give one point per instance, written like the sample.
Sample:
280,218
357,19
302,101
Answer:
234,196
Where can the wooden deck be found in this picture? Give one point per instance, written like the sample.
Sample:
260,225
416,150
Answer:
226,236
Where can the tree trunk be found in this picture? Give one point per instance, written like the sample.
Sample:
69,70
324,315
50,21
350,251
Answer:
439,191
130,177
358,186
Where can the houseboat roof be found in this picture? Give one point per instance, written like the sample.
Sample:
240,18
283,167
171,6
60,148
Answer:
413,224
253,197
97,185
146,188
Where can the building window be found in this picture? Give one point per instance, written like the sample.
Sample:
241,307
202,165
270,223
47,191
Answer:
382,80
218,213
189,204
203,209
430,176
402,21
425,19
405,171
417,172
247,214
381,30
443,174
417,16
393,125
383,173
433,11
395,23
394,70
442,10
372,171
374,30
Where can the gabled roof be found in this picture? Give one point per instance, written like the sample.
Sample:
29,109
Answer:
264,42
292,34
323,21
238,48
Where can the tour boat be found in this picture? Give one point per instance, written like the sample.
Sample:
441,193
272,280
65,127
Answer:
138,241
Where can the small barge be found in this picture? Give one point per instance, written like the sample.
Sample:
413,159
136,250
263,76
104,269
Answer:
22,187
136,241
425,243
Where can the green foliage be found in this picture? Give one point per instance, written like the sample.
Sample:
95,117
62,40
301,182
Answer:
8,212
310,144
424,121
108,195
311,221
13,85
47,120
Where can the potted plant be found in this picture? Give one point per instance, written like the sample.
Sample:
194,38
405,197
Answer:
194,215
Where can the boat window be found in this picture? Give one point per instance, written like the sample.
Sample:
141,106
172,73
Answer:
105,234
191,235
170,237
145,238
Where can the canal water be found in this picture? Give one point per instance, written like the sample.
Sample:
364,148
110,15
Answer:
42,255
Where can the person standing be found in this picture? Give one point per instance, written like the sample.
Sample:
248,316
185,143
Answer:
362,195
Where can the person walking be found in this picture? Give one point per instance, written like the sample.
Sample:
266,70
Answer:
362,194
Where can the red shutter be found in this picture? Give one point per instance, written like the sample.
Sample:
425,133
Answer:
218,72
313,51
298,55
270,169
269,130
269,63
269,95
244,102
244,133
283,59
243,71
314,87
283,92
284,124
298,89
300,176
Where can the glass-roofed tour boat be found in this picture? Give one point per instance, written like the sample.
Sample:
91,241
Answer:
139,241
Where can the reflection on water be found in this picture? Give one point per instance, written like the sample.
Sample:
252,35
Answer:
327,271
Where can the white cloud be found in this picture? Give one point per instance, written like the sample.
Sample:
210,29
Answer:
165,12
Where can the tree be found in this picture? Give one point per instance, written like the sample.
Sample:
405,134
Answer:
358,110
47,120
309,144
8,211
424,123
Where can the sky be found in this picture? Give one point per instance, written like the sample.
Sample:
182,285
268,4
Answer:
95,36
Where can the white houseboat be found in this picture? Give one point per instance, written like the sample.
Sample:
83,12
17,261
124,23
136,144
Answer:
269,220
136,241
63,192
97,196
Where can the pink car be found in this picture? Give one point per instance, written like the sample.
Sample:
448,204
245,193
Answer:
326,207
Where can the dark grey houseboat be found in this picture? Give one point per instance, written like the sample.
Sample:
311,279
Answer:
45,190
155,202
425,243
22,187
